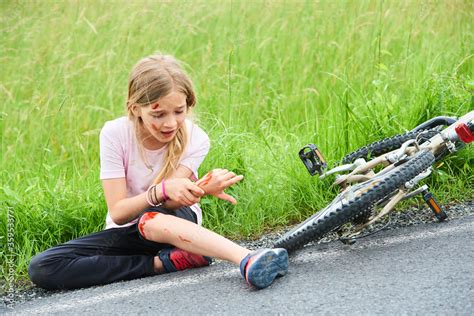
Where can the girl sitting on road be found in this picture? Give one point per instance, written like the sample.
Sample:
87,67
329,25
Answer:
149,162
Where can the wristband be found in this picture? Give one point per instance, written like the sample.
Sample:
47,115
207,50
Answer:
163,191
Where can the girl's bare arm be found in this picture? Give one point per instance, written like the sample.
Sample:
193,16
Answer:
179,188
122,209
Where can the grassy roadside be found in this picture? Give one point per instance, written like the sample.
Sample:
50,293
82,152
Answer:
270,77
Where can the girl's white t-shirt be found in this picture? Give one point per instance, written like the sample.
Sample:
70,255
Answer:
120,158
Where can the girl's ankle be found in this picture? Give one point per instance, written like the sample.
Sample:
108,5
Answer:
158,265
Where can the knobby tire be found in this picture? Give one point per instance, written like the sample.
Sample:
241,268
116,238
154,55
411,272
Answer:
315,228
385,145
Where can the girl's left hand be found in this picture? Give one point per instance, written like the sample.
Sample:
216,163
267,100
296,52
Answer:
216,181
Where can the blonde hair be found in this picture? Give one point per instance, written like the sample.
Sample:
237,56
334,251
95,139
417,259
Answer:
152,78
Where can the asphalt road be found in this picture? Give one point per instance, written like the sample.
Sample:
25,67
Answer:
422,269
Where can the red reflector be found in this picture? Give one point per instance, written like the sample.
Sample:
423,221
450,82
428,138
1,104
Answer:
464,133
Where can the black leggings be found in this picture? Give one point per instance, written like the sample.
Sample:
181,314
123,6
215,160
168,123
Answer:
104,257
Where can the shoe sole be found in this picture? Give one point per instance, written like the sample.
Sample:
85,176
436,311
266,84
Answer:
267,266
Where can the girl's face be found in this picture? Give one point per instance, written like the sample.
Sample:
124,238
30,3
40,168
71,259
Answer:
162,119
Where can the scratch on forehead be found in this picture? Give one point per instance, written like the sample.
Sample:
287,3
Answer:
154,106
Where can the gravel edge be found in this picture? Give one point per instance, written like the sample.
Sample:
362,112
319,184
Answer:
409,217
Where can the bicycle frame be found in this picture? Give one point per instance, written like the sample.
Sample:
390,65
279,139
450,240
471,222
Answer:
363,172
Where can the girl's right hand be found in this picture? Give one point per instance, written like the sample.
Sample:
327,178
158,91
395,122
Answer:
183,191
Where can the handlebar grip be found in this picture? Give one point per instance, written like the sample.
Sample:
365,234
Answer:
465,132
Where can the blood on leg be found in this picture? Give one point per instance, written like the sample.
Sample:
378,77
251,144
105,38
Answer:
184,239
141,223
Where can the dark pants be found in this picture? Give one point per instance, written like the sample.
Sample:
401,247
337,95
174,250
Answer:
104,257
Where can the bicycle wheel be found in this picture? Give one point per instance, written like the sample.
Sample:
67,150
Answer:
354,203
386,145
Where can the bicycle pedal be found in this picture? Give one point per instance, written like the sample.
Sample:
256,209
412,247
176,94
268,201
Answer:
437,209
313,159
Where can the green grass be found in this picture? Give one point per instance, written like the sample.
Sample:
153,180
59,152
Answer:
270,76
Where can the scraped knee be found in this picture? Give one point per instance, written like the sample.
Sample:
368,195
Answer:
149,231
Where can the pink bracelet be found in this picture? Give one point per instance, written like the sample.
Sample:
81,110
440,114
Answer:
163,191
